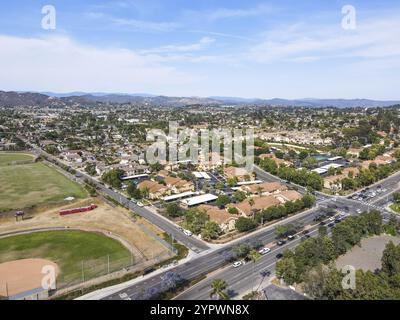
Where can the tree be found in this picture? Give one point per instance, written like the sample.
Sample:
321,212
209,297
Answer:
286,269
211,231
391,259
323,231
174,210
244,224
223,200
195,220
218,287
396,197
254,256
156,167
308,201
239,195
233,210
113,178
91,169
242,250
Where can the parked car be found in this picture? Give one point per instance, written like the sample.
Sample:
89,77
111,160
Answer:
139,204
237,264
279,256
187,233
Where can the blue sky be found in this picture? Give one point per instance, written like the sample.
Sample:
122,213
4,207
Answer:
265,49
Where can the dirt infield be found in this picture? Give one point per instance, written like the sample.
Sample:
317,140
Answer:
22,275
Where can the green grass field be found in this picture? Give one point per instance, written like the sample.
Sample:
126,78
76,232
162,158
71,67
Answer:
68,249
395,207
27,185
7,158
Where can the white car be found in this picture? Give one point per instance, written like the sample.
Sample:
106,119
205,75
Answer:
237,264
188,233
264,251
139,204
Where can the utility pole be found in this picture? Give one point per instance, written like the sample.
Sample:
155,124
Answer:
108,264
83,273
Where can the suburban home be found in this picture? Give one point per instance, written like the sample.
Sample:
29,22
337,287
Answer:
266,188
178,185
288,195
260,203
240,173
225,220
335,182
209,161
355,152
279,162
156,190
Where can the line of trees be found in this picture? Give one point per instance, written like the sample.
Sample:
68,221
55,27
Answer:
302,177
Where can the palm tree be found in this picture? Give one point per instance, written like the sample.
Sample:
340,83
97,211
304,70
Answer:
251,203
254,256
218,289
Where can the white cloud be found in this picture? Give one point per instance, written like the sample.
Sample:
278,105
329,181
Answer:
372,39
61,64
141,25
203,43
225,13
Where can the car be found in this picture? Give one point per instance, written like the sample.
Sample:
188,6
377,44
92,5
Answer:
265,273
139,204
331,219
281,242
291,237
264,251
322,223
331,225
187,233
279,256
306,231
237,264
359,211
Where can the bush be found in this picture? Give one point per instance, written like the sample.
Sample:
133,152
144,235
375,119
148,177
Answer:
245,224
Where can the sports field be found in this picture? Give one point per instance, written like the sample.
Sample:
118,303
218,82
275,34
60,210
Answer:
70,250
26,185
7,158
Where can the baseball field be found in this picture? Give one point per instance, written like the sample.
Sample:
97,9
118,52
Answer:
77,253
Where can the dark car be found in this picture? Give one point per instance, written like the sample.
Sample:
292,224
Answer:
331,225
265,273
306,232
279,256
281,242
322,223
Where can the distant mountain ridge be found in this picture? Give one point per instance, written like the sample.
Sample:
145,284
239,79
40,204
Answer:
12,99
